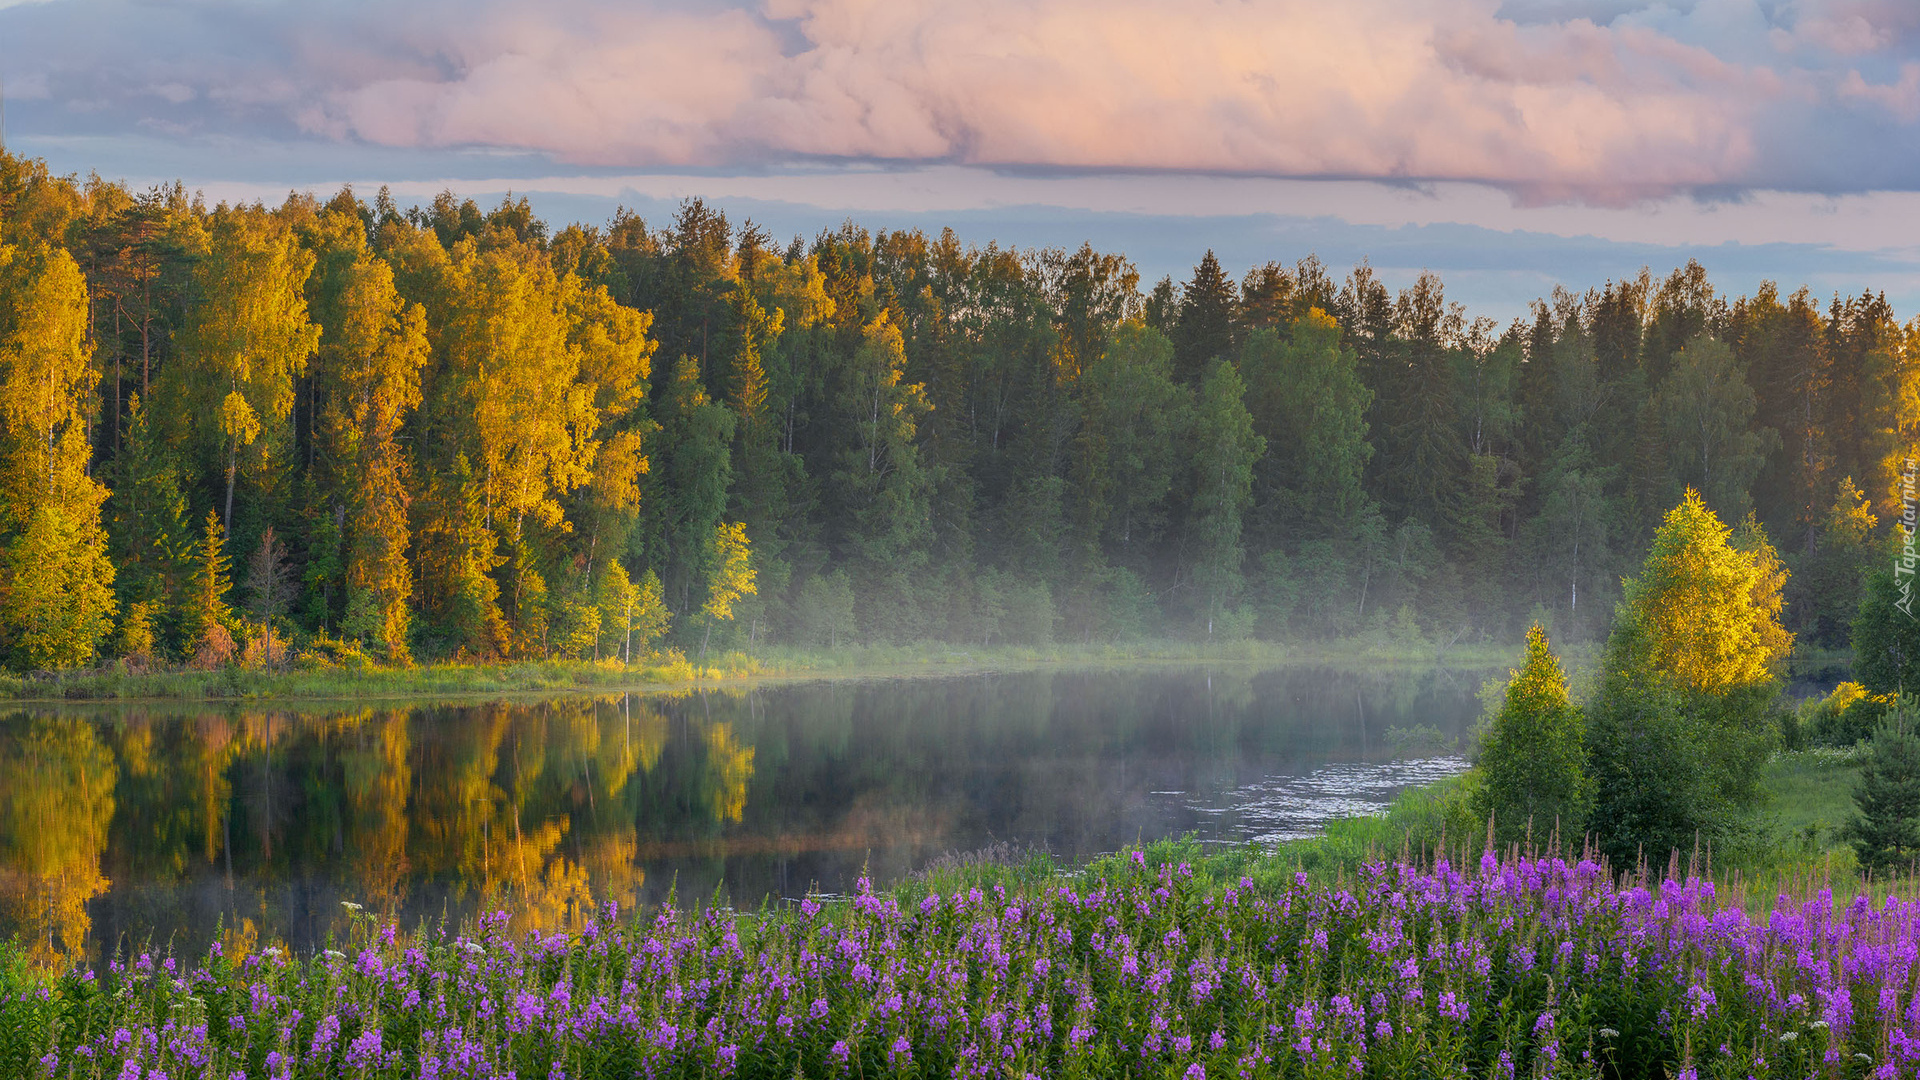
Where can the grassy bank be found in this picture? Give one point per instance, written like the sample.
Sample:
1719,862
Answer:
1792,841
313,678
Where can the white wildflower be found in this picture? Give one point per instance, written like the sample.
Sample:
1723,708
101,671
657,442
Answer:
351,906
1789,1036
1609,1033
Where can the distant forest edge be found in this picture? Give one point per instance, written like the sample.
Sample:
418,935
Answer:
346,429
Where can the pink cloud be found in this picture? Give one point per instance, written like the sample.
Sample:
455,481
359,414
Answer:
1553,108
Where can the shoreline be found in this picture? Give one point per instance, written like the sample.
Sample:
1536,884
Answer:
671,673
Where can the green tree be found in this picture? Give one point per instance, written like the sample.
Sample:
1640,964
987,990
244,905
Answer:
887,486
823,611
1534,754
1128,450
1706,410
1886,633
1886,830
208,617
1828,588
686,492
150,535
1677,729
1204,330
1307,401
1225,450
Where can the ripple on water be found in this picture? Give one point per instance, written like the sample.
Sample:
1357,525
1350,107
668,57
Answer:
1279,808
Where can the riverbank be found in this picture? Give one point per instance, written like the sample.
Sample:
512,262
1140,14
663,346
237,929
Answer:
326,679
1792,842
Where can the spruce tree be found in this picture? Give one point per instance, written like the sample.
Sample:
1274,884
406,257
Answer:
207,615
1534,755
1887,830
1204,330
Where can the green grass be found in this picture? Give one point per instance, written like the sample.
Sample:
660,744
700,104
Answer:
373,681
1791,845
327,680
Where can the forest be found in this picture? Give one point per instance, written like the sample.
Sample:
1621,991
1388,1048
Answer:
240,433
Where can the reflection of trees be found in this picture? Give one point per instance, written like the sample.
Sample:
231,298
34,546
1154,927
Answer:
551,806
378,773
729,768
56,800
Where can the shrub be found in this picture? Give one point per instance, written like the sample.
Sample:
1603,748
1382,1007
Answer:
1846,716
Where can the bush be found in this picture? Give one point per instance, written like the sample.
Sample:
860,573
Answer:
1848,715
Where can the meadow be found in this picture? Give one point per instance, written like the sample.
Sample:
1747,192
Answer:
1154,963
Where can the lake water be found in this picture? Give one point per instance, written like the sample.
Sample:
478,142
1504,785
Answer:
124,824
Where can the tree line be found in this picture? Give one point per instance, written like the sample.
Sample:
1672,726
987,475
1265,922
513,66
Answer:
443,431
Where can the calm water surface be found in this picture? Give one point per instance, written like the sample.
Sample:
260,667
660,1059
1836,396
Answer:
124,824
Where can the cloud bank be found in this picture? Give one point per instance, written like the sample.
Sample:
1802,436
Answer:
1597,101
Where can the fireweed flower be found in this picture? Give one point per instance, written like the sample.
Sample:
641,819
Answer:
1506,967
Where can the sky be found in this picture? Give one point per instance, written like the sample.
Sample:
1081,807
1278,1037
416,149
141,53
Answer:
1509,145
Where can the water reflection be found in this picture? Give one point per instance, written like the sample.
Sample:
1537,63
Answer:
123,824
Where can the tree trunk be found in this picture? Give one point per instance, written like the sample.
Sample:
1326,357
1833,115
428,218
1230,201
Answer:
233,462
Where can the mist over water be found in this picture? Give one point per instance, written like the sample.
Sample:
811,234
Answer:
122,824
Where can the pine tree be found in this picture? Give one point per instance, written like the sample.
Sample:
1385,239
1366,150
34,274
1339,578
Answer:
149,533
1886,831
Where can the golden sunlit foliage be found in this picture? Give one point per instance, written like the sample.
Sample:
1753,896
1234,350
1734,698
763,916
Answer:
1704,612
478,437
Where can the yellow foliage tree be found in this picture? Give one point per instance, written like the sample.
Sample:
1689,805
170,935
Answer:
1705,610
729,576
56,579
370,363
248,338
